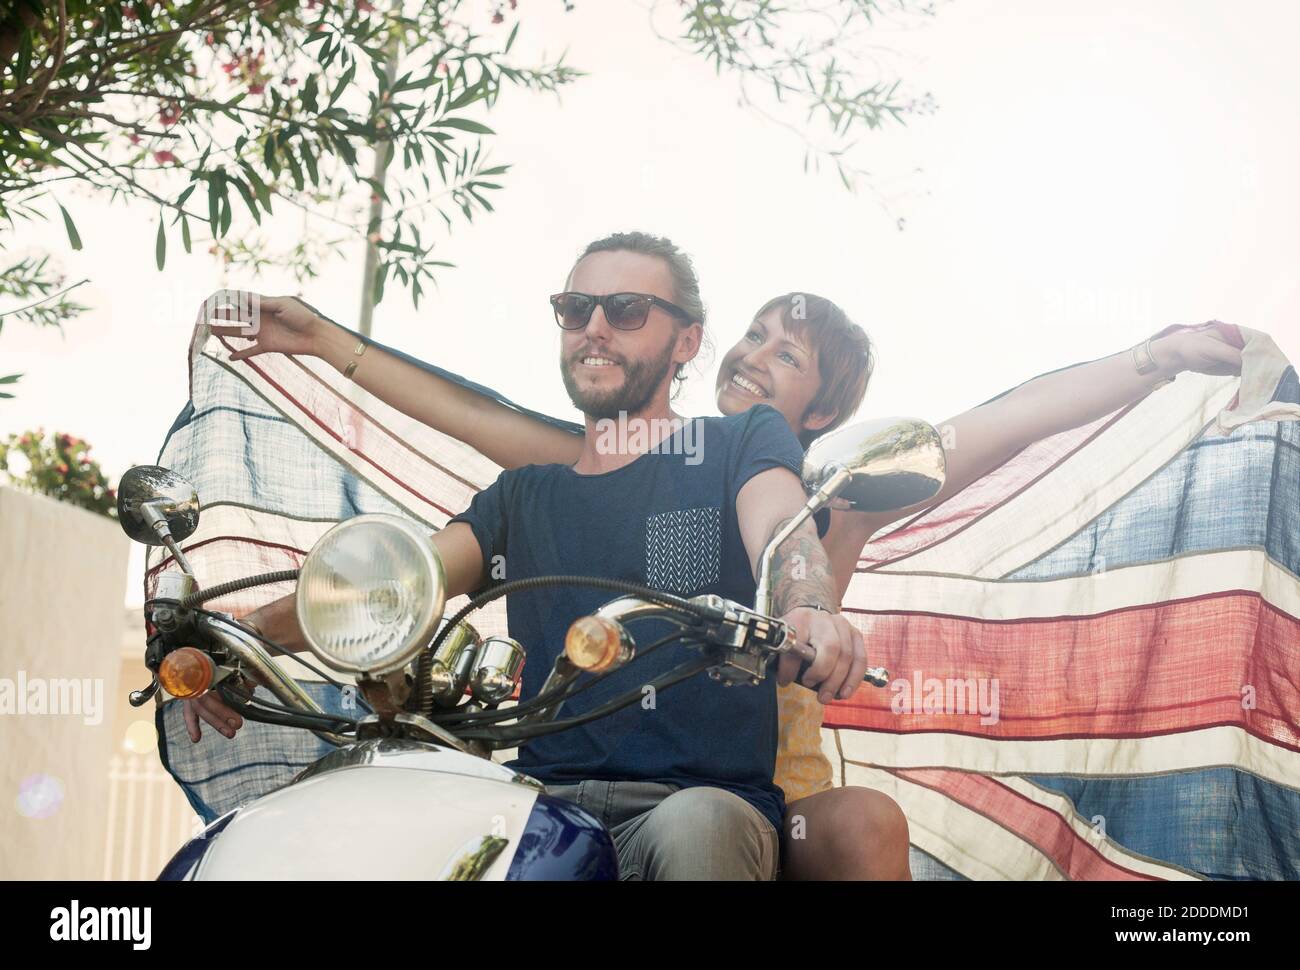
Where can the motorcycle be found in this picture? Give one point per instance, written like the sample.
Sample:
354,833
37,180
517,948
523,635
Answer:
413,781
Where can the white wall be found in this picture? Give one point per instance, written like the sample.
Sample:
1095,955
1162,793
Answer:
62,581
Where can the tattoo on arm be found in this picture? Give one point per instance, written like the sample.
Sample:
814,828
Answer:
801,572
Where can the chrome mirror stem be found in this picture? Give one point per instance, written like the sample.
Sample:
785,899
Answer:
816,502
155,518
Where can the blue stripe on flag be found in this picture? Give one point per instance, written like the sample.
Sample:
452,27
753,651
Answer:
1221,822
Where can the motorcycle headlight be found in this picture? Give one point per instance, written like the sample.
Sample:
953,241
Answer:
370,594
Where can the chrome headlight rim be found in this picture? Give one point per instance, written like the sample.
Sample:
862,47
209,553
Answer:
428,618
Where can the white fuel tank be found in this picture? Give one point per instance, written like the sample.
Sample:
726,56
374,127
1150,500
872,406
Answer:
381,809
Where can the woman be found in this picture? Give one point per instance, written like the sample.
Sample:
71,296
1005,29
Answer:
802,356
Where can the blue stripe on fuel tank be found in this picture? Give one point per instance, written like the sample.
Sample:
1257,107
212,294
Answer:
188,856
563,843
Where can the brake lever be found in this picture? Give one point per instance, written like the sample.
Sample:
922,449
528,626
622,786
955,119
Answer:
138,698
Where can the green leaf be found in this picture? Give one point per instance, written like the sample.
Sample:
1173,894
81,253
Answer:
464,124
11,379
310,161
295,170
160,247
469,96
248,199
73,238
309,93
216,189
24,66
259,187
185,233
343,83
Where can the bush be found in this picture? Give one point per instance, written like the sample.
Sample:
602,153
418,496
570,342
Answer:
60,466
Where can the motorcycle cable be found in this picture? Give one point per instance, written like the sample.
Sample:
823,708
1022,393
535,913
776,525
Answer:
505,737
236,585
268,712
424,697
474,718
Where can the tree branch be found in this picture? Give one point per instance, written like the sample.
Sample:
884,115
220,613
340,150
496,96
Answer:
39,94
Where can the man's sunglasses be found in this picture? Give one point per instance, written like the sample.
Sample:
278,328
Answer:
624,311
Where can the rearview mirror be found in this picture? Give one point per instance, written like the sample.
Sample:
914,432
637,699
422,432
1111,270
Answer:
149,496
877,466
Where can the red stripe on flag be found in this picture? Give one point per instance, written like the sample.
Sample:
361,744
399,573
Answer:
981,497
1223,659
1043,828
378,463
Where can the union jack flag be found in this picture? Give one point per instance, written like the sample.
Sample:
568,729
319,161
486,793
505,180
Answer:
1095,649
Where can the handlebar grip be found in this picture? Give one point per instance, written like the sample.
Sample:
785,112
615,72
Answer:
875,676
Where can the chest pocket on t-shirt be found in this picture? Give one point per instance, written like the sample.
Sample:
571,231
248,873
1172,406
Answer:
683,550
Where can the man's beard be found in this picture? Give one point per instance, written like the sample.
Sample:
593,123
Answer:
641,378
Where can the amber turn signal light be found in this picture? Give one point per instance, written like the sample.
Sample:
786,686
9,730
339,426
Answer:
594,643
186,672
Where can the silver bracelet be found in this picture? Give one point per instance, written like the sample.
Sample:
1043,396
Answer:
1147,366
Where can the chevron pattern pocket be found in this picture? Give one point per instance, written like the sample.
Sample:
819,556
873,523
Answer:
683,550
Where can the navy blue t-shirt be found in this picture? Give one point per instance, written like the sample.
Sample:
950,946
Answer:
666,520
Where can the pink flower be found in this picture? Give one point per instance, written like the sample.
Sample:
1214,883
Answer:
365,6
257,88
133,138
62,468
498,17
163,157
169,115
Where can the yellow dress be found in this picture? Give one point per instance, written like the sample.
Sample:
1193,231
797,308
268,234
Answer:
801,767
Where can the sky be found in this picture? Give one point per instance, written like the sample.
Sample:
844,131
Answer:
1093,172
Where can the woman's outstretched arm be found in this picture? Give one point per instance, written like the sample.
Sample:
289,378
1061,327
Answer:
508,437
981,439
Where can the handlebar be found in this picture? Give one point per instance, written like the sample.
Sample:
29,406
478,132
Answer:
738,645
244,647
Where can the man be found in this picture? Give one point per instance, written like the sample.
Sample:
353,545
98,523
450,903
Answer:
683,780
